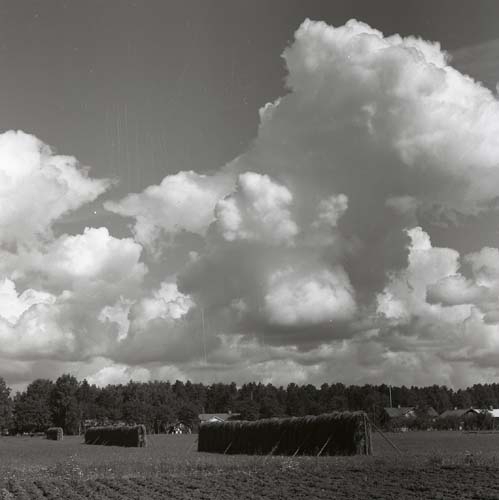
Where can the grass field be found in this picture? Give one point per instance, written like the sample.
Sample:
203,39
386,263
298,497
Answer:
430,465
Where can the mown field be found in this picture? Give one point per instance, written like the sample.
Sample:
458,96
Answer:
430,465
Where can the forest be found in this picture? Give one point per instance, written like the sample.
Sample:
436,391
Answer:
68,402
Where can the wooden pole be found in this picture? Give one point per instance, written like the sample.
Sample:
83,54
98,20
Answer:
325,444
386,439
366,437
370,440
299,447
227,449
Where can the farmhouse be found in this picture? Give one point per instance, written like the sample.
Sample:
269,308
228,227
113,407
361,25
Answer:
401,412
460,418
398,418
178,428
411,412
405,417
460,413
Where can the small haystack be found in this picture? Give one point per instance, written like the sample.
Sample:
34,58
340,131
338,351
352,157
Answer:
54,433
119,435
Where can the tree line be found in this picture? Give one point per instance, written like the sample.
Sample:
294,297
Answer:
68,402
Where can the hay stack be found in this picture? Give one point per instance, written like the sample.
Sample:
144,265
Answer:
54,433
339,433
122,435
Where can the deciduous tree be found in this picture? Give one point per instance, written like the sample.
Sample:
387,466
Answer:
32,412
5,405
64,404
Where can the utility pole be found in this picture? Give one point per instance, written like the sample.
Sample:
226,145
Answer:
204,335
391,402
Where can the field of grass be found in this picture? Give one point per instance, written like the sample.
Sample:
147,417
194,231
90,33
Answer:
429,465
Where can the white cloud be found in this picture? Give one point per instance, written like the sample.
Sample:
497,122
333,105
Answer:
301,298
12,305
38,333
394,95
68,279
331,209
117,314
184,201
435,312
485,266
165,303
118,374
258,211
406,292
37,187
454,290
93,257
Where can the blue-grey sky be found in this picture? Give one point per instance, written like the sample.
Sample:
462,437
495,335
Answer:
268,197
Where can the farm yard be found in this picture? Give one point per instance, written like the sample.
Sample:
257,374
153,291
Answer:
431,465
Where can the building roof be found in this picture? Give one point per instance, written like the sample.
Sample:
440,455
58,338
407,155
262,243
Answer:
458,412
431,412
401,411
215,417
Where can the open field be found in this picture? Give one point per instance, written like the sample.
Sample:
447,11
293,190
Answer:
432,465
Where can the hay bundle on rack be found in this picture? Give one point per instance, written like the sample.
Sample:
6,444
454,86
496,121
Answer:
338,433
120,435
54,433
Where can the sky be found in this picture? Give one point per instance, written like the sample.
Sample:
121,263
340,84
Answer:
225,191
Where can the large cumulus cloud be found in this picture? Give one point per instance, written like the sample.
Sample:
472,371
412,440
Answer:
376,137
330,250
54,288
